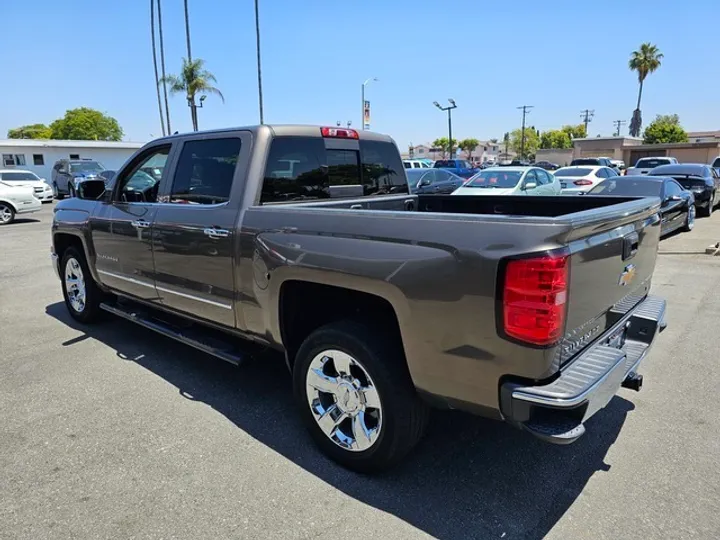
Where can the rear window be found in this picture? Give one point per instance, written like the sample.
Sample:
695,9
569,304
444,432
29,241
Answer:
586,161
573,171
628,188
301,168
651,163
445,164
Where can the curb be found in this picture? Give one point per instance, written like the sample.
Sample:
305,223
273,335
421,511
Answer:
712,249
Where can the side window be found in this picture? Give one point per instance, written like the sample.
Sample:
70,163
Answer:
542,177
430,177
613,172
205,171
407,165
671,188
141,181
601,173
531,177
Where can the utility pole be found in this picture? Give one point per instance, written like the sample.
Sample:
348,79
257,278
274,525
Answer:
618,125
362,98
449,109
525,110
587,116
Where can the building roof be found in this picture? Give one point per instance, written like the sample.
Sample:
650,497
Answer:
56,143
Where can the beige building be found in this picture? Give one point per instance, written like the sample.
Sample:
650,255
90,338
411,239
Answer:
630,149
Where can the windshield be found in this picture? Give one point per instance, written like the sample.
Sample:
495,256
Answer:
19,176
651,163
573,171
716,163
636,188
494,179
86,166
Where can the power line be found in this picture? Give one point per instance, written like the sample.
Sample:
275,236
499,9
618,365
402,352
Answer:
525,110
587,116
618,125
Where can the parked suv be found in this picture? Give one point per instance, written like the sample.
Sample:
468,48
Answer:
68,173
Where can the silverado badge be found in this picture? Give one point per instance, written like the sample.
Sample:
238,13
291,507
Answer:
627,276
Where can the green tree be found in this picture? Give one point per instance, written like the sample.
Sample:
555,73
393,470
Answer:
31,131
575,132
532,141
664,129
468,146
644,61
555,138
444,145
86,124
194,79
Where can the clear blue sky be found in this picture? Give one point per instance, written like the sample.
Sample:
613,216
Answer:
490,57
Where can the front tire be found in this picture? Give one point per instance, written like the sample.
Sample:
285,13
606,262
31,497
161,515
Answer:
690,218
82,295
356,397
7,214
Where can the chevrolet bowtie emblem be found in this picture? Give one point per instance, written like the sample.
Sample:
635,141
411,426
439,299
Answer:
627,276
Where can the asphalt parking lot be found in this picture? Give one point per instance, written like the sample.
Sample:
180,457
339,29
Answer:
112,431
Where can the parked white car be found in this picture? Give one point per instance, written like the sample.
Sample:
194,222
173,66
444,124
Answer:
582,178
511,181
416,164
16,200
647,164
22,178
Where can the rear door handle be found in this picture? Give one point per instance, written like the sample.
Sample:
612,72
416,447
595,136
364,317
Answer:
141,224
212,232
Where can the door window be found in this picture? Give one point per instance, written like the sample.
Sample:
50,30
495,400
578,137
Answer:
205,171
672,188
140,182
601,173
543,178
531,177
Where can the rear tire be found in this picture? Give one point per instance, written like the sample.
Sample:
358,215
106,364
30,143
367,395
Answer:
82,295
372,418
7,214
707,211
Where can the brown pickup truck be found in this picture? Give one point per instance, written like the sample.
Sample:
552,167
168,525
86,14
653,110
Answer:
532,310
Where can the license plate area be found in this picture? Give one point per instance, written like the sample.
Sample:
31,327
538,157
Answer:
563,184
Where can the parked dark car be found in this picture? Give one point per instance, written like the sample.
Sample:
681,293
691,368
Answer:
460,167
599,161
433,181
547,165
678,204
703,180
520,163
306,240
68,173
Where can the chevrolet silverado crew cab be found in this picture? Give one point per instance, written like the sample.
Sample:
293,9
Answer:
307,241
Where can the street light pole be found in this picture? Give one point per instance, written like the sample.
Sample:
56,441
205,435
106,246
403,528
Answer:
449,109
362,103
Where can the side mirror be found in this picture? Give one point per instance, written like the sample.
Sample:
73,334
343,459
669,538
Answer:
674,198
93,190
530,185
424,183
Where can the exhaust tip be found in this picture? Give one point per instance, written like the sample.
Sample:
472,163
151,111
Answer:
633,381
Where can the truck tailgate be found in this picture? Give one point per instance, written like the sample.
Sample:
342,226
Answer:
611,265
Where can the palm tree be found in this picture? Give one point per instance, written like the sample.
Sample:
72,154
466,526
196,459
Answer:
162,67
155,64
644,61
194,79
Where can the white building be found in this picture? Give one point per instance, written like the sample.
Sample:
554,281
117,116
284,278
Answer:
39,155
485,151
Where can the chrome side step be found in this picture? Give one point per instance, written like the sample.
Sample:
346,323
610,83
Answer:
189,336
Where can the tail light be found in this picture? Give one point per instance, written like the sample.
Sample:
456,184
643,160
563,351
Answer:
535,299
339,133
583,182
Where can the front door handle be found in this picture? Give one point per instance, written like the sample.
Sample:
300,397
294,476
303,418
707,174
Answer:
141,224
212,232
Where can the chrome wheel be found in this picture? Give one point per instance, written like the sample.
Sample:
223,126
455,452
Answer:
691,217
344,400
75,285
6,214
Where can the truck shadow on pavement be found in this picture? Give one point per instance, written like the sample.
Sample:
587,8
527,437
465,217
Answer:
469,478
